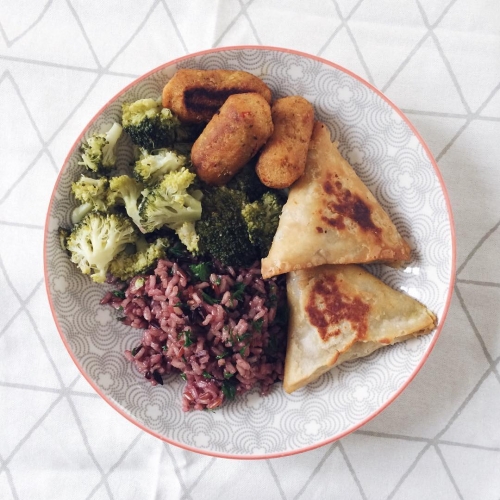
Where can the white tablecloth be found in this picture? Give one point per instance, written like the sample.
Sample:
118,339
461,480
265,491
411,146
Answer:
438,60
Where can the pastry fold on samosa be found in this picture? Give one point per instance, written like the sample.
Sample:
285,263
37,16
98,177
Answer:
331,217
341,312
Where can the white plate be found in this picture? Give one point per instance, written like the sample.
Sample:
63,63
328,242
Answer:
393,161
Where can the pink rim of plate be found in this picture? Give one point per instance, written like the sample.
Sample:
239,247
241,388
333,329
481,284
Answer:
436,333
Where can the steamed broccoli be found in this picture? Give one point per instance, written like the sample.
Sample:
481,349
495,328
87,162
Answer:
63,238
188,236
169,202
93,191
92,195
222,230
148,124
125,266
127,191
262,218
186,134
97,240
98,153
247,181
151,167
80,211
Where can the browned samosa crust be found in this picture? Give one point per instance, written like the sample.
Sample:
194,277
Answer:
341,312
331,217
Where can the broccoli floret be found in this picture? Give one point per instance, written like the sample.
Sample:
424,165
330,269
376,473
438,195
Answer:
125,266
222,230
80,211
98,152
247,181
188,236
150,168
169,203
148,124
262,218
92,195
93,191
125,190
63,237
97,240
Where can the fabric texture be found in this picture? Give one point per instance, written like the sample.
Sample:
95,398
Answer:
61,60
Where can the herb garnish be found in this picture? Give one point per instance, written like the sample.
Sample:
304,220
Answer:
241,338
257,325
228,375
208,298
183,376
223,355
228,389
176,250
230,339
202,270
237,290
206,375
120,294
187,338
273,299
135,350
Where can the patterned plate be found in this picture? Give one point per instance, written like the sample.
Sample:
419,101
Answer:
393,161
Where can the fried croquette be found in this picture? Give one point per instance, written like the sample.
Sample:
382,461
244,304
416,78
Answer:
194,96
283,158
232,137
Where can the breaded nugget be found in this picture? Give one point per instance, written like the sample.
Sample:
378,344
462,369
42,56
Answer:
283,159
195,95
235,134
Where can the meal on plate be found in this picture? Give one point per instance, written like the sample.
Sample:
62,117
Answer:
232,240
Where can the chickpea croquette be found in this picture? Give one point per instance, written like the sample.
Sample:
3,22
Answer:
194,96
232,137
283,159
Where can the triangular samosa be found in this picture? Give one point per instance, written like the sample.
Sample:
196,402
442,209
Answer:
331,217
341,312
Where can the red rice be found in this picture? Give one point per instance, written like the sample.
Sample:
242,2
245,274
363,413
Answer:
221,349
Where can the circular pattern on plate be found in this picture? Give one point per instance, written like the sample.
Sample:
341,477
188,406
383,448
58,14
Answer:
394,163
